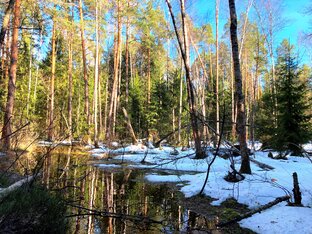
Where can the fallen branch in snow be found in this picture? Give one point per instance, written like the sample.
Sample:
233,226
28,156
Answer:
252,212
262,165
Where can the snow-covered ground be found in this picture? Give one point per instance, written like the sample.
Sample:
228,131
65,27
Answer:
257,189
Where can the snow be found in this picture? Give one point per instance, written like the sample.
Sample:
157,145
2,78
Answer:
280,219
257,189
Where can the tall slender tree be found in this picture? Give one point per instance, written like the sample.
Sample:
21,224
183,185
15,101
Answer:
52,80
8,115
184,48
96,75
85,71
241,116
217,74
6,21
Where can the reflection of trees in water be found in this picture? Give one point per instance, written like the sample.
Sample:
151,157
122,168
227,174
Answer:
110,201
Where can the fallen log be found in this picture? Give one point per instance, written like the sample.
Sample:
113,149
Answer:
262,165
252,212
129,126
4,192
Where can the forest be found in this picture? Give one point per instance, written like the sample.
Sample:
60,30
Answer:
106,107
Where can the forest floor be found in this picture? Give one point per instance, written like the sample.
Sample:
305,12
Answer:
270,179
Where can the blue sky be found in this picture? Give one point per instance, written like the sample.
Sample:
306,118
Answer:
292,12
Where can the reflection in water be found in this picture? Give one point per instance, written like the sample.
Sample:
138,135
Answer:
114,201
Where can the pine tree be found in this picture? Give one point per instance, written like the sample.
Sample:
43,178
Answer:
293,126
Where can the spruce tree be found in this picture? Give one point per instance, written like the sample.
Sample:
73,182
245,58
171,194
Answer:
293,126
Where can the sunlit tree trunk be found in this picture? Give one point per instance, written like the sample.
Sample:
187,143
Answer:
217,74
70,82
233,104
105,130
28,104
51,91
250,2
6,21
241,116
96,76
114,93
8,115
180,103
184,48
85,71
127,58
37,70
205,80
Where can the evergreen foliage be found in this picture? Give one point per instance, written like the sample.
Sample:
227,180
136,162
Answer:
293,126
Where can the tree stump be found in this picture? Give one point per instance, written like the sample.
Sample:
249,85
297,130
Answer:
296,191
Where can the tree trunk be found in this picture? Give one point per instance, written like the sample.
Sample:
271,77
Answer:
85,72
244,28
241,117
190,92
96,77
70,83
129,126
127,59
206,78
8,115
217,75
70,93
51,94
233,104
296,191
6,21
37,70
180,104
114,93
148,77
29,81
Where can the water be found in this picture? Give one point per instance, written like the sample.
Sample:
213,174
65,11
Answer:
117,200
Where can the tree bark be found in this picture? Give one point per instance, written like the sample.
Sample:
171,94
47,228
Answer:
296,191
51,94
148,77
241,116
6,21
70,82
217,75
29,81
8,115
127,58
114,93
96,77
184,48
180,104
85,71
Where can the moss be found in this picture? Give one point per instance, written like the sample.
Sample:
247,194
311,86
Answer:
32,210
4,182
